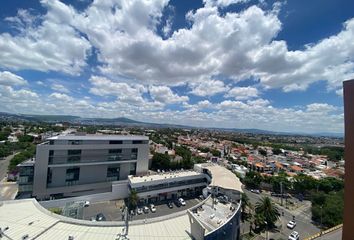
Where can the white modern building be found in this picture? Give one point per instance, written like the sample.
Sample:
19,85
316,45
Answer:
208,220
76,165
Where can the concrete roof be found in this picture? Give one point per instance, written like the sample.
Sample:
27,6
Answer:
24,217
99,137
221,177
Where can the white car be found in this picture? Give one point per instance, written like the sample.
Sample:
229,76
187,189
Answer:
152,208
139,211
294,236
146,209
255,191
182,202
291,224
86,203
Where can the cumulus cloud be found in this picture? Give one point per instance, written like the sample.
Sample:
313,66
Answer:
44,43
208,88
59,87
10,79
165,95
243,93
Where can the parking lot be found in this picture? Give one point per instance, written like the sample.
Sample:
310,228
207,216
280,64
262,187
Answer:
112,210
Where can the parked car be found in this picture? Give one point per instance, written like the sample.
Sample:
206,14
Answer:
100,217
132,212
182,202
139,211
201,197
170,204
223,199
291,224
93,219
152,208
294,236
86,203
177,203
146,209
255,191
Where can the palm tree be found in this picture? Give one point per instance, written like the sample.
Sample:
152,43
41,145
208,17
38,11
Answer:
245,203
267,210
133,199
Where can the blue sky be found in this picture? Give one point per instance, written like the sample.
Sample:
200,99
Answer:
273,65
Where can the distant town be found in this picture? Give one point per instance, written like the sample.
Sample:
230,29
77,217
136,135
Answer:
300,174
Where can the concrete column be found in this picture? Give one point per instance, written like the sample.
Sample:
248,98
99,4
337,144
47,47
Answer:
348,226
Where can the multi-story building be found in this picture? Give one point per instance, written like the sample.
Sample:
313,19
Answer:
75,165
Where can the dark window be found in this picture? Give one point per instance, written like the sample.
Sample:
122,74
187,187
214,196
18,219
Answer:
51,142
74,155
115,151
49,176
115,142
75,142
72,174
51,152
134,150
113,173
132,169
74,152
137,142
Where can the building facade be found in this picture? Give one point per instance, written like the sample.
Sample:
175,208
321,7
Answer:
73,165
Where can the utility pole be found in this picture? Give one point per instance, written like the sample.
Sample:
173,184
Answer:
281,193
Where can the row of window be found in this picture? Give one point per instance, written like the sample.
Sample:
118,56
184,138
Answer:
73,174
79,142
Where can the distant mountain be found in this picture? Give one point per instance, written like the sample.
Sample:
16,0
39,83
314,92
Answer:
122,121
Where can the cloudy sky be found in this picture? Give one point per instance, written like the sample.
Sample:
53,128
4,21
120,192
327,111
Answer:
271,65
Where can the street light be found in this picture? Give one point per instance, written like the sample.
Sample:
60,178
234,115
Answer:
266,223
321,218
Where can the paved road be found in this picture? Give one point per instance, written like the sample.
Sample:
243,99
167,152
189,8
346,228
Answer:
3,166
302,217
8,190
336,235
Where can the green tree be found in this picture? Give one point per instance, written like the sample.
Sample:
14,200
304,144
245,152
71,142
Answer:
262,152
215,152
160,161
277,151
252,179
133,199
245,203
268,211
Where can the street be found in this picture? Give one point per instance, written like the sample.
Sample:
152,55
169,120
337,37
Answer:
302,217
3,166
335,235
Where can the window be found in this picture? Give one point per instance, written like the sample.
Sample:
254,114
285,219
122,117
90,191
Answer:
72,174
115,151
74,155
49,176
113,173
75,142
74,152
51,142
134,150
51,152
116,142
137,142
132,169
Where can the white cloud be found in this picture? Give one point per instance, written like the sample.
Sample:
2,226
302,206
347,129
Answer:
243,93
320,107
10,79
59,87
129,93
165,95
208,88
61,97
45,43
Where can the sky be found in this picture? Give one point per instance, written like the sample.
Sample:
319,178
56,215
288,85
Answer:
272,65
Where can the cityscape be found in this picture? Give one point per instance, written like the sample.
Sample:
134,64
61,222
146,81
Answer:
166,119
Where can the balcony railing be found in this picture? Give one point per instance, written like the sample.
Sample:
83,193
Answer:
169,185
